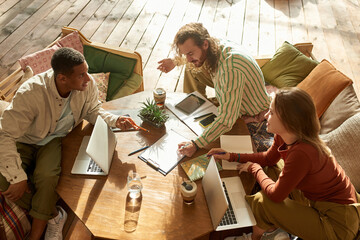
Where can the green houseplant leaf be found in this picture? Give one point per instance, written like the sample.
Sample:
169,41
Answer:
151,113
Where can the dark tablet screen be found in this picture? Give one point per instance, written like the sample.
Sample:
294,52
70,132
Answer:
189,104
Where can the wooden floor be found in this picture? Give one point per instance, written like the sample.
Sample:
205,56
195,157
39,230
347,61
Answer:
148,27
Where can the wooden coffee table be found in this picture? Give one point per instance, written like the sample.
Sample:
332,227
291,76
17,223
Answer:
100,202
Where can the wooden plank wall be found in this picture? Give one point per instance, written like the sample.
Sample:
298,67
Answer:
148,26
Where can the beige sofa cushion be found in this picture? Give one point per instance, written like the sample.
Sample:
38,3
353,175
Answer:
344,106
344,144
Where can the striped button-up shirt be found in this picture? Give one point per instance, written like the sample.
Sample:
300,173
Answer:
240,89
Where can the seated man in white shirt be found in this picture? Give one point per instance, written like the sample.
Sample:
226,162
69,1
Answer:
44,109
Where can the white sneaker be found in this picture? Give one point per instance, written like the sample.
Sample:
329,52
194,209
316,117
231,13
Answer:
55,225
277,234
243,237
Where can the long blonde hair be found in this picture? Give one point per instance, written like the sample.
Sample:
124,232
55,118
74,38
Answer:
199,34
297,112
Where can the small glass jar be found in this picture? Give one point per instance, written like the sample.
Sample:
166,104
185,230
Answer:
159,97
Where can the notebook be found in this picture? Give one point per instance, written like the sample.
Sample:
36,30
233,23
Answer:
195,168
225,196
235,144
96,151
163,155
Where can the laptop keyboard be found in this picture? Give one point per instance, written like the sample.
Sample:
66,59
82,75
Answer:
93,167
229,217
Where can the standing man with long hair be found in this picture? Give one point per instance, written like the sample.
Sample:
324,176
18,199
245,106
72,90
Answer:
234,74
309,195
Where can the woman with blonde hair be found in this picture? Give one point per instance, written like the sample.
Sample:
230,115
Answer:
311,196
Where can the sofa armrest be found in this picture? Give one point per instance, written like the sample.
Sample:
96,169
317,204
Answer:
10,84
306,49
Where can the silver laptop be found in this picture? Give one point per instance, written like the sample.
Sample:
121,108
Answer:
96,151
225,198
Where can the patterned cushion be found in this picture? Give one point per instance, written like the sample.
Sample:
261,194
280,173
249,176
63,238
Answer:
39,61
14,223
261,138
72,40
102,81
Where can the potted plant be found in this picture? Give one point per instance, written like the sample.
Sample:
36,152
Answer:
151,113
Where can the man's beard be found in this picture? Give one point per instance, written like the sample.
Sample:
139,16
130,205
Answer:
201,61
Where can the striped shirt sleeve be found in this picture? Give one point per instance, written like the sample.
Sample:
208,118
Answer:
240,90
230,98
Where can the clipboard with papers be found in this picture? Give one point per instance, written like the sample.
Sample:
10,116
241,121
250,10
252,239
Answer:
163,155
192,120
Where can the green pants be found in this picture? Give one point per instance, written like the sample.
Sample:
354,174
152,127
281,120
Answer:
42,166
304,218
197,81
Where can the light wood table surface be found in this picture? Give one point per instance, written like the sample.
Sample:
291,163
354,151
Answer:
100,201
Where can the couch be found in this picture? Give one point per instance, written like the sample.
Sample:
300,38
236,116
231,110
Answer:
337,105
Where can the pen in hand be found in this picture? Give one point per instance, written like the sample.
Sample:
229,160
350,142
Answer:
217,153
184,146
137,126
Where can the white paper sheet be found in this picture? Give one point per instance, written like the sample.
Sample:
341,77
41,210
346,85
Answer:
236,144
163,154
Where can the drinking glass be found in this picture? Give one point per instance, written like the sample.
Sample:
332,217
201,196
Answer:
188,191
134,184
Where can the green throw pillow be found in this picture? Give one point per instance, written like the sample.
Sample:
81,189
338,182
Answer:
119,64
288,67
127,87
121,68
116,81
95,58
